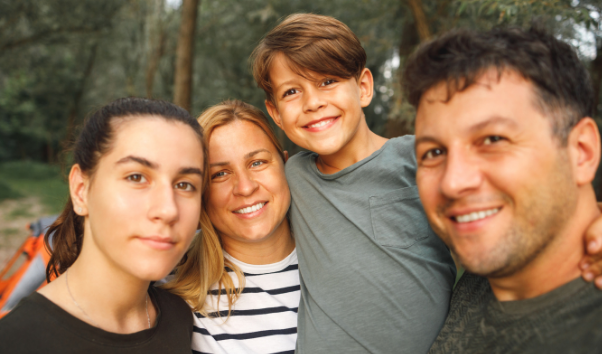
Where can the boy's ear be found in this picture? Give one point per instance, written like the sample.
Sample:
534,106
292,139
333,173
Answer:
584,148
78,189
273,112
366,84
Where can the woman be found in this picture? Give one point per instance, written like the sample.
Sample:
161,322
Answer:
135,198
241,276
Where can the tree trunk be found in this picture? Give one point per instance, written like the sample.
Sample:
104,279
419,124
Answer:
422,25
596,72
184,54
77,98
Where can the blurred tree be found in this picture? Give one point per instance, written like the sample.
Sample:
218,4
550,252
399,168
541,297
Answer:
185,54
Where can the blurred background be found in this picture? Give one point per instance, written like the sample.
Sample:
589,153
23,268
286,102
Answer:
61,59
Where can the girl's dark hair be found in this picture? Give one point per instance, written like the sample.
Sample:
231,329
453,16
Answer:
64,237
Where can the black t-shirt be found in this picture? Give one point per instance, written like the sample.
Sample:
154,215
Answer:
566,320
37,325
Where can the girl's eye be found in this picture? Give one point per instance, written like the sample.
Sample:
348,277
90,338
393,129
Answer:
289,92
492,139
138,178
328,82
185,186
433,153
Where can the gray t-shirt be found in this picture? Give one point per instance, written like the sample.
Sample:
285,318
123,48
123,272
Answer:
374,277
566,320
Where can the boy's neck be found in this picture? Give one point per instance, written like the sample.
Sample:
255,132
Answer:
363,144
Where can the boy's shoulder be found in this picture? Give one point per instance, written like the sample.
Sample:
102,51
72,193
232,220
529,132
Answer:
402,146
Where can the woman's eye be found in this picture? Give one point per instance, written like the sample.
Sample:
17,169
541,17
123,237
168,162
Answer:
289,92
185,186
257,163
138,178
492,139
433,153
218,174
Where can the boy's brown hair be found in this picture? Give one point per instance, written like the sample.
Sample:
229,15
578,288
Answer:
310,43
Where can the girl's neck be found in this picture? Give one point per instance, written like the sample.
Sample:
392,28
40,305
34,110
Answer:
272,249
103,296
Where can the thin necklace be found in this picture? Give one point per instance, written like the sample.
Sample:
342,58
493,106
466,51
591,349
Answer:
84,312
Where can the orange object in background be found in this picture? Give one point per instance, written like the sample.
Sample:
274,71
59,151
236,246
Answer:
31,274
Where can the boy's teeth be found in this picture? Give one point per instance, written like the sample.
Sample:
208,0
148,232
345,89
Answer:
477,215
250,209
320,123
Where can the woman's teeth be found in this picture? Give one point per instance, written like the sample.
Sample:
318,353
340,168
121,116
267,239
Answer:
477,215
320,123
250,209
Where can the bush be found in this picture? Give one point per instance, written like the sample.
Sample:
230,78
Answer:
6,192
29,170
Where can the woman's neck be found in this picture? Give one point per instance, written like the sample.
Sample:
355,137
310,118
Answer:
272,249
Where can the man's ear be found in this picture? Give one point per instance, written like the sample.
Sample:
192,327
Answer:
584,147
366,84
273,112
78,189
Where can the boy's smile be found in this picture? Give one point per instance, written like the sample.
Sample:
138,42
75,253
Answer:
319,113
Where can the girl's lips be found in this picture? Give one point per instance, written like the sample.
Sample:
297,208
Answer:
321,125
157,243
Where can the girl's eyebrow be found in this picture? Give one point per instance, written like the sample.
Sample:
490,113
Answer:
140,160
154,166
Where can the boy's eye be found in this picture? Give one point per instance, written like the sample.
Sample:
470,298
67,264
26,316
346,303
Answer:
136,177
328,82
492,139
289,92
185,186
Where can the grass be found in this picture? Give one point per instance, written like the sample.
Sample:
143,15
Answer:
28,178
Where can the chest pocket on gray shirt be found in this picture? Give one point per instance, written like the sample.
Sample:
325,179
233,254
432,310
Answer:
398,219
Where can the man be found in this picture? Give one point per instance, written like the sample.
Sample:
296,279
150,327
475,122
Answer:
506,153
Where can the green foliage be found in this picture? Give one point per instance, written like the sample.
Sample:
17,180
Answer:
29,178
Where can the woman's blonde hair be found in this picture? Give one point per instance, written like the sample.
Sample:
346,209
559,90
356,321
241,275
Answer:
205,264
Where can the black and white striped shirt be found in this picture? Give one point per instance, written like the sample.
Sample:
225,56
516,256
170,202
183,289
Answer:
263,319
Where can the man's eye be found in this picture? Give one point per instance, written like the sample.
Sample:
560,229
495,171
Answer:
185,186
492,139
136,177
433,153
289,92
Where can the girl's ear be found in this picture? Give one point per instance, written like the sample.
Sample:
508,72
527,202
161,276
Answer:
78,189
285,156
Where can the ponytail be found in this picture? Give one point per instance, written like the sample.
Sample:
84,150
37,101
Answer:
64,241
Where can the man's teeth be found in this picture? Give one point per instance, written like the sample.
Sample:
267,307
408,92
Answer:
250,209
320,123
477,215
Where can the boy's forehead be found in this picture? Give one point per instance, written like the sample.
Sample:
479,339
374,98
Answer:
282,66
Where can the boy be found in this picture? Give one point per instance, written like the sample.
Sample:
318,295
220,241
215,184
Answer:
374,276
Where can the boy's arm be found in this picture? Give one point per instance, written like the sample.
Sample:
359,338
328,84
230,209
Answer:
591,264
